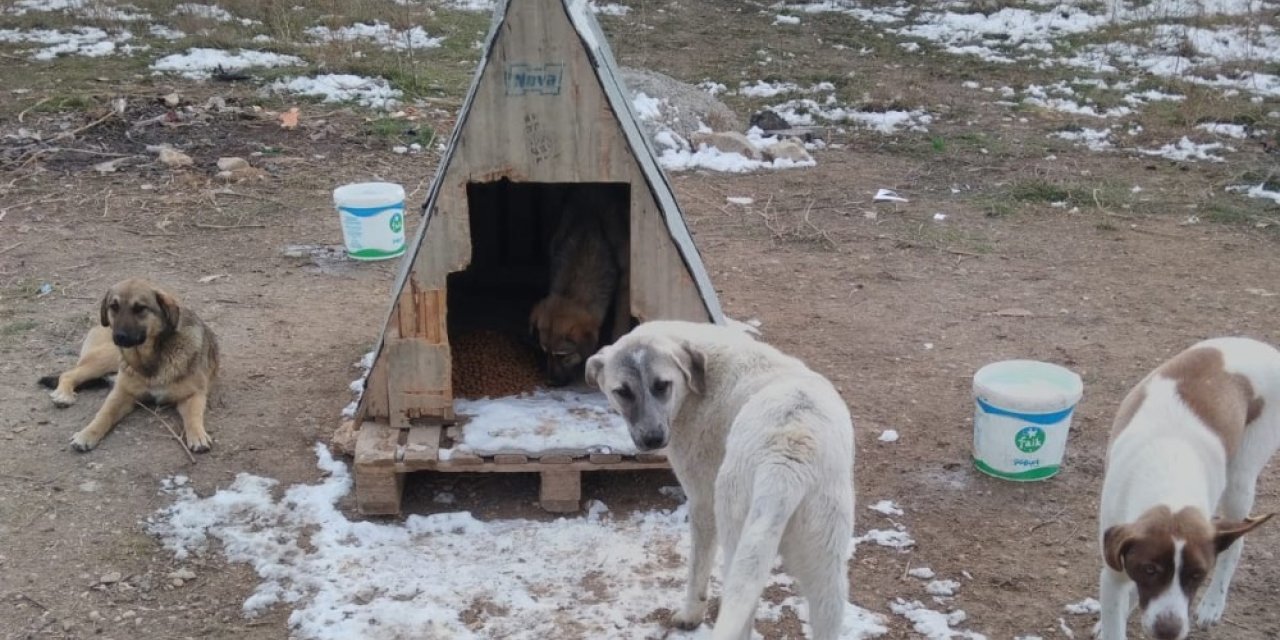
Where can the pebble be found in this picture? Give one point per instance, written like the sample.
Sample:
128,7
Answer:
111,578
128,614
177,582
1062,571
95,616
183,574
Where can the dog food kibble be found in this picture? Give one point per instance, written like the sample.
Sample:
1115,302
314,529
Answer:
491,364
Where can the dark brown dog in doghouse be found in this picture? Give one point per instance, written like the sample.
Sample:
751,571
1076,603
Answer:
589,263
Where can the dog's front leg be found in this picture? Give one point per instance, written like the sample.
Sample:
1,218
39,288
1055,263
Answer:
120,403
702,523
1113,593
192,412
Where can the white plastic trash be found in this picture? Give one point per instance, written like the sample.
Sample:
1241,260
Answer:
372,219
1021,418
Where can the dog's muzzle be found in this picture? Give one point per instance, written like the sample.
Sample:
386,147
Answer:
126,339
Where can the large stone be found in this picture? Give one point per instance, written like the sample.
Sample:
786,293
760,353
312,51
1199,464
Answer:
726,141
787,150
769,120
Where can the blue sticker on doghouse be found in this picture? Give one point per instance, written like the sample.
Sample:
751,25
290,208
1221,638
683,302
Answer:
534,79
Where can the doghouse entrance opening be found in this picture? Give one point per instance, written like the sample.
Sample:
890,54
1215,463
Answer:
512,224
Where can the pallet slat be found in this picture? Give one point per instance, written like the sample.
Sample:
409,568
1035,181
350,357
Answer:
421,448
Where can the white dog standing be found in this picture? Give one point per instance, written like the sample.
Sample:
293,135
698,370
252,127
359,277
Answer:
763,447
1189,439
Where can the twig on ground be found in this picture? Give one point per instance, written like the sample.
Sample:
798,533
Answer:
76,132
10,248
227,227
169,428
28,109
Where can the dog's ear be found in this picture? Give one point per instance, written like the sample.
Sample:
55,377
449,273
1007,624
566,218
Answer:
536,317
693,364
169,309
595,364
1226,533
1116,542
103,308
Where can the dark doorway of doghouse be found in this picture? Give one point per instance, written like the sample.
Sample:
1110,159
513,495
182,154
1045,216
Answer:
512,223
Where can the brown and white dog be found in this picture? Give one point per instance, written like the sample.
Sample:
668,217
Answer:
1188,441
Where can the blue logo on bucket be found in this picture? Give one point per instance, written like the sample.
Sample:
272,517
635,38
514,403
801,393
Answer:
369,212
1033,418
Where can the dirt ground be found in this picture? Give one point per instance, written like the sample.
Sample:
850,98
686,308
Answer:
898,309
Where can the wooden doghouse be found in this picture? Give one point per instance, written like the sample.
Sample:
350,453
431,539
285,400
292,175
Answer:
546,113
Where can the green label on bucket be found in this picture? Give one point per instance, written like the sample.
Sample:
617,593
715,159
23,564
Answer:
397,223
1029,440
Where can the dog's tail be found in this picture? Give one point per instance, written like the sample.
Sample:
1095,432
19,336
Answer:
775,495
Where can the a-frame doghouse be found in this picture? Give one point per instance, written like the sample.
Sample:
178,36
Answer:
546,113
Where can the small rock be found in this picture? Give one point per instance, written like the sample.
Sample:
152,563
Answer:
1062,571
95,616
128,614
232,164
174,159
172,99
769,120
726,141
787,150
67,625
183,574
111,577
177,582
110,166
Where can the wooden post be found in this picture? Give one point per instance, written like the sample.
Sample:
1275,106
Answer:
561,491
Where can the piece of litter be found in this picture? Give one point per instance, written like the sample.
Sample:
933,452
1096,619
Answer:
888,435
400,149
939,217
740,200
1014,312
289,119
923,573
208,279
46,289
888,195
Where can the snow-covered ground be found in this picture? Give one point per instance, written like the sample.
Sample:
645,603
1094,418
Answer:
447,574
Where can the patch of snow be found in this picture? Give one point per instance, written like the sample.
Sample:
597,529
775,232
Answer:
200,63
786,20
379,33
611,9
739,200
1257,191
647,108
806,112
922,573
210,12
933,625
888,435
1185,150
1237,131
887,508
333,87
470,5
678,155
381,581
89,42
891,538
1094,139
1088,606
942,588
166,32
713,88
542,422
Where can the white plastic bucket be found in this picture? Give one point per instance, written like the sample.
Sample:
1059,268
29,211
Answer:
372,219
1021,418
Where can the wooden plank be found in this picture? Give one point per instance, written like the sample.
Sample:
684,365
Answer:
378,485
555,459
656,457
422,313
421,448
510,458
560,491
373,402
458,459
605,458
419,380
481,465
661,287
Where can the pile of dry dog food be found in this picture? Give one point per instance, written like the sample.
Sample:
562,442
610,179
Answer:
492,364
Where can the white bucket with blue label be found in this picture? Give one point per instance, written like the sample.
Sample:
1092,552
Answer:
372,219
1021,419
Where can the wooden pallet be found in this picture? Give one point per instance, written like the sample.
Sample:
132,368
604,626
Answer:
383,455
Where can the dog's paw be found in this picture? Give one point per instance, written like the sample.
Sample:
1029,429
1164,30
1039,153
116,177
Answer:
1210,610
198,443
61,399
82,442
688,620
